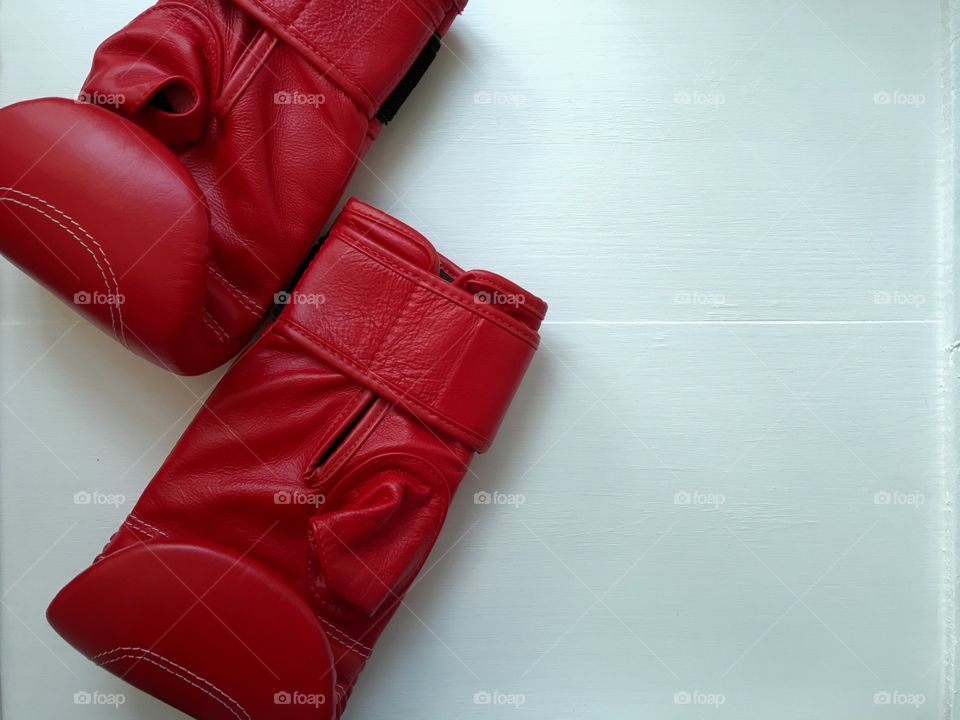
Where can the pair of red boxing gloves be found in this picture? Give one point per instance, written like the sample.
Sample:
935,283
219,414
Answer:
174,206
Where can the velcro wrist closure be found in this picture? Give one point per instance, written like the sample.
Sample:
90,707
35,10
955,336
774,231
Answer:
429,346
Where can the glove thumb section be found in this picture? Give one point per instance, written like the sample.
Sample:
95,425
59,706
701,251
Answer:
370,547
160,71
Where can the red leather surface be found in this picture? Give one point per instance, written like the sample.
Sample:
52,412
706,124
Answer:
143,289
192,591
297,466
345,40
259,113
426,344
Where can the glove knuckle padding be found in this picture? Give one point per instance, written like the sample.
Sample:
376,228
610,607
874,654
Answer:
137,596
265,106
308,492
137,273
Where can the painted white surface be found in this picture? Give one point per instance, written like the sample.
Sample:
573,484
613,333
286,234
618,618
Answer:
742,247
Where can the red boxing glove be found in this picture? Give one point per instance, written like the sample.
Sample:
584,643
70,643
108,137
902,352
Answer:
265,558
172,221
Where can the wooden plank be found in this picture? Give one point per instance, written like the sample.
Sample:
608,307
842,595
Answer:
734,450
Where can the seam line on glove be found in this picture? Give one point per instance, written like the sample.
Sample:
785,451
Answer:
145,654
140,521
506,323
247,302
103,253
143,533
344,638
217,328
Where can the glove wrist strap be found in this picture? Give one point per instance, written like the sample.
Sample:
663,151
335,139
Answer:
433,348
369,49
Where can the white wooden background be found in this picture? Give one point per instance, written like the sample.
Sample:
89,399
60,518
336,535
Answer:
735,449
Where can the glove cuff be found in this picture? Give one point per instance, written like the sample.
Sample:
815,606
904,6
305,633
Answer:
369,49
374,306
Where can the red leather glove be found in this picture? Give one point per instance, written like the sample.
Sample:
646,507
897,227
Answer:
172,221
265,558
